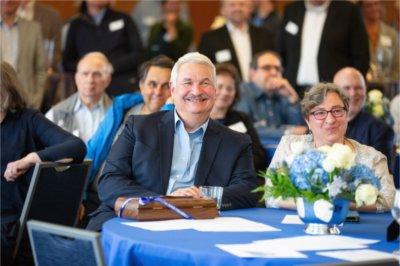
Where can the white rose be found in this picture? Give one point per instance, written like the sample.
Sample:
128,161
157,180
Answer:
366,194
328,165
342,156
297,147
375,96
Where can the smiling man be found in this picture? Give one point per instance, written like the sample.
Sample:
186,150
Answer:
175,152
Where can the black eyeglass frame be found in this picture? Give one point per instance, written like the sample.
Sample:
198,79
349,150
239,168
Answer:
337,115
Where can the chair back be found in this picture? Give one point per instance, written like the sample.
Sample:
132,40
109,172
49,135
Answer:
55,194
62,245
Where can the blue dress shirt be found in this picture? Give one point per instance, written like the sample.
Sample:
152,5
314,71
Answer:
186,153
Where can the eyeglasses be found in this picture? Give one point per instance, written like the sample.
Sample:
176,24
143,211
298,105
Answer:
336,112
272,67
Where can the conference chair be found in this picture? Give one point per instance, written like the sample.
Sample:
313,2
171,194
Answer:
55,195
62,245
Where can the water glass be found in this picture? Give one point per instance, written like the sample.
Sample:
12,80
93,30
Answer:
396,213
213,192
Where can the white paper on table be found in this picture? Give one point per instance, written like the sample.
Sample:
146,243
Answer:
357,255
231,224
168,225
309,243
254,250
219,224
292,219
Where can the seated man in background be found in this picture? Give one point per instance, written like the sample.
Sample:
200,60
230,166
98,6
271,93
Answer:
82,112
268,98
154,87
363,127
174,152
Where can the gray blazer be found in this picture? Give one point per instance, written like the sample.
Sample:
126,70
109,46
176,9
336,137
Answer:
63,112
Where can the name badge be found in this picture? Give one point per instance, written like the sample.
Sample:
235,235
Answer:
223,56
239,127
116,25
385,40
292,28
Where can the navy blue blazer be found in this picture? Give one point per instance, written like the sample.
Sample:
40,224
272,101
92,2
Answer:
139,164
370,131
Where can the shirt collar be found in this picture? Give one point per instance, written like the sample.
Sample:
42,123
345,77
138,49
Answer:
178,123
79,104
321,8
232,28
99,17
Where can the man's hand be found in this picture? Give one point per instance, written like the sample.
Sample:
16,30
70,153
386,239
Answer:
188,192
283,87
19,167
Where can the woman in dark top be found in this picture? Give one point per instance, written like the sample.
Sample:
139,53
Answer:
27,137
227,94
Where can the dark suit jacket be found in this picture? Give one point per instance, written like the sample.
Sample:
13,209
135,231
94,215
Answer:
344,41
219,39
370,131
139,164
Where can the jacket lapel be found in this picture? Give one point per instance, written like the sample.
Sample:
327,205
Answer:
166,131
211,141
231,48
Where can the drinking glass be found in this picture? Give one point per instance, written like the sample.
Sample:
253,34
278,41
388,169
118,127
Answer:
396,213
213,192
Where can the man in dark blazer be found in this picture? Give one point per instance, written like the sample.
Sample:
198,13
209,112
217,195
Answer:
175,152
343,42
219,45
363,127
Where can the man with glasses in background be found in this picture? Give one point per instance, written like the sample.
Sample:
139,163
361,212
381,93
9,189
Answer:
82,112
269,99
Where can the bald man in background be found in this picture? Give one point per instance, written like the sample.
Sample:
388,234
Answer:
362,126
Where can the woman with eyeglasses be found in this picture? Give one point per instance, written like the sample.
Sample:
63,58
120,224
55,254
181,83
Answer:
325,108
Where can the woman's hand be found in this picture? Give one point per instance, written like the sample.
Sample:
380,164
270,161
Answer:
19,167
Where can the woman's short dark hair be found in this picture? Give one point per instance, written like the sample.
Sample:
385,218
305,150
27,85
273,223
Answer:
160,61
10,88
230,70
317,94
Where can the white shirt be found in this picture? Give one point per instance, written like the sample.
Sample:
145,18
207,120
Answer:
242,44
9,42
314,21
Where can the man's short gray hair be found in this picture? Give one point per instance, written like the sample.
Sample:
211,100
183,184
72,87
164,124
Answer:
194,58
108,68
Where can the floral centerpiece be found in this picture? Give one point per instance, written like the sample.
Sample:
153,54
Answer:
324,179
378,106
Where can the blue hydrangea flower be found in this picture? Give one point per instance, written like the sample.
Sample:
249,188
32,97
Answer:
360,173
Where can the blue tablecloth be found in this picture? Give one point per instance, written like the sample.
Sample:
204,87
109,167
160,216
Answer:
126,245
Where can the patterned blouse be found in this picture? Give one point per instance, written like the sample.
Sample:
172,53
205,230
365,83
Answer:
364,154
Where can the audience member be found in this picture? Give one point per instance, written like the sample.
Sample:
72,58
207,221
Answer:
395,112
27,137
100,28
171,36
268,98
227,93
174,152
51,25
82,112
265,15
154,78
319,37
22,47
237,41
362,126
147,13
383,44
325,109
